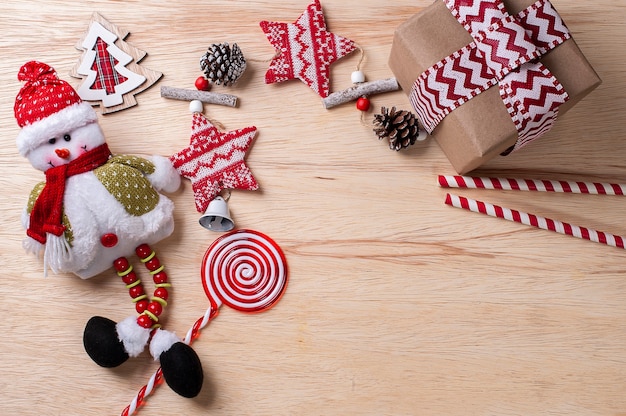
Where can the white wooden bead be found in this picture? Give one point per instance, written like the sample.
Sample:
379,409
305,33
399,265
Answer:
196,106
358,77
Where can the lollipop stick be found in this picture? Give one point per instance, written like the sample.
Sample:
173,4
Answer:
155,379
535,220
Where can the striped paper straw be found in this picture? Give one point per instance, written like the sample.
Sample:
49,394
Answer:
535,220
541,185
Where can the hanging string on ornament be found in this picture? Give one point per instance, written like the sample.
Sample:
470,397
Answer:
361,90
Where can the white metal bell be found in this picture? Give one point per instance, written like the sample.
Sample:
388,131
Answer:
217,216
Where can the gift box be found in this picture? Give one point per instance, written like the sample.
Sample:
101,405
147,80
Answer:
463,66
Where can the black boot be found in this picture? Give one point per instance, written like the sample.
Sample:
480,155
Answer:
182,369
102,344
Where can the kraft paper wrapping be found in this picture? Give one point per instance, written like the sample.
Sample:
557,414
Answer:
481,128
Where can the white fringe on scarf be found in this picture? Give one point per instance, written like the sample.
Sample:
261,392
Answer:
56,251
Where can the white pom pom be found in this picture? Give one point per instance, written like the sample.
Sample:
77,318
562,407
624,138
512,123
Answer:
133,336
196,106
165,177
358,77
161,342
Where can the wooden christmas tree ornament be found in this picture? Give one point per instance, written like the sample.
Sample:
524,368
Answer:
110,68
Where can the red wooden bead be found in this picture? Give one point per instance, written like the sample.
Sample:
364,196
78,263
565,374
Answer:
130,278
143,251
161,292
121,264
136,291
155,307
144,321
363,104
203,84
160,277
141,306
153,264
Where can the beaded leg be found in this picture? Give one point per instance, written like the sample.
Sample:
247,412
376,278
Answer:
149,309
110,344
180,365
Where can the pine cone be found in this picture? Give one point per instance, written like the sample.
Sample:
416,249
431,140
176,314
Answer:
223,65
400,127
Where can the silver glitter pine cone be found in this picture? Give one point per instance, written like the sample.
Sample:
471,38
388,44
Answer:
222,64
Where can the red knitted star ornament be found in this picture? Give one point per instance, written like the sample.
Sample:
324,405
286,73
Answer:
305,50
215,161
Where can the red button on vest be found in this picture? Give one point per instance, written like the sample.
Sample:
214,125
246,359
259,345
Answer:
108,240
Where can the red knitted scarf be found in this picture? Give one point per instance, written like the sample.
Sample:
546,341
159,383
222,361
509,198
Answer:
47,213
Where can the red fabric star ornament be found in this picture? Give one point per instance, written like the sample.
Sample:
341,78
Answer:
215,161
305,50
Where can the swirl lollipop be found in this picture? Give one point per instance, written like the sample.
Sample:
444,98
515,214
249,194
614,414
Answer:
245,270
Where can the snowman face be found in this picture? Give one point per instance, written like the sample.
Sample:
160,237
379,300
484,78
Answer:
64,148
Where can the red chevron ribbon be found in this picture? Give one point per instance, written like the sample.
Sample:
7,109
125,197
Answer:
504,51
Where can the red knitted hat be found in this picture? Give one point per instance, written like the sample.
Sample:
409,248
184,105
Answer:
46,107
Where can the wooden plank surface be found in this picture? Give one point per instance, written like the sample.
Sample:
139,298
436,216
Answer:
396,304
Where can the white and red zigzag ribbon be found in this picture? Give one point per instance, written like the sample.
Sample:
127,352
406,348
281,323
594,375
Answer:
504,51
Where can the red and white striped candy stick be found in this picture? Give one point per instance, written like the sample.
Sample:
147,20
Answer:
541,185
156,378
535,220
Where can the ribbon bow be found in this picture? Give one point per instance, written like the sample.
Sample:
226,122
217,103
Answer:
505,51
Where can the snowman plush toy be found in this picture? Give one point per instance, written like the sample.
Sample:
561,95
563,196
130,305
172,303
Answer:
95,210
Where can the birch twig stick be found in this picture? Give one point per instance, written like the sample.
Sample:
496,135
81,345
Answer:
204,96
366,88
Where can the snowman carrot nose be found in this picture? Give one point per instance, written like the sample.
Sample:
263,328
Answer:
62,153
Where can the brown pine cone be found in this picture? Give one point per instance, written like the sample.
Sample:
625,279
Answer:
400,127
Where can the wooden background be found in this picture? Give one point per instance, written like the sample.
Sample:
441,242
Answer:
396,304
